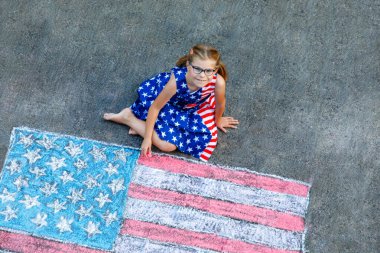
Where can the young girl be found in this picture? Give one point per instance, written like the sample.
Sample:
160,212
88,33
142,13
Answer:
181,109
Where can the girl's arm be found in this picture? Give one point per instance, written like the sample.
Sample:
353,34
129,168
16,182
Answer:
165,95
220,105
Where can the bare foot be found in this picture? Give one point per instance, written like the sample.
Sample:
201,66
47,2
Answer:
132,131
122,117
109,116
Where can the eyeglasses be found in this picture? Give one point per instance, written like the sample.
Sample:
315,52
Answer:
198,70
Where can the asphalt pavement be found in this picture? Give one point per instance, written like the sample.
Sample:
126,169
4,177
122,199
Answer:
304,83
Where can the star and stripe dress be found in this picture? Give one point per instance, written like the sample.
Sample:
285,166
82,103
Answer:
188,119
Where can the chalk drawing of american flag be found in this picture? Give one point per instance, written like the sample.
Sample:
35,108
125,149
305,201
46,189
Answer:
123,203
180,206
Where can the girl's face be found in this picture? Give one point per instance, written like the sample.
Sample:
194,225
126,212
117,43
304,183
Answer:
200,72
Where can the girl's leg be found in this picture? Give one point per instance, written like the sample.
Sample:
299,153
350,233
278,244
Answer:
127,117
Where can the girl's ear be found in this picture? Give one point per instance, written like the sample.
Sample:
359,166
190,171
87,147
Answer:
191,51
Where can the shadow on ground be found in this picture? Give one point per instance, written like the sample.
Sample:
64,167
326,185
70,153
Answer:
304,83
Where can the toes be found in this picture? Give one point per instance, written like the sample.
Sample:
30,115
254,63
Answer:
132,131
108,116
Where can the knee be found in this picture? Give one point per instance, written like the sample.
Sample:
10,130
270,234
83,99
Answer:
166,146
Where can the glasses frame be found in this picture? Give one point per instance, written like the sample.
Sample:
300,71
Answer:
197,69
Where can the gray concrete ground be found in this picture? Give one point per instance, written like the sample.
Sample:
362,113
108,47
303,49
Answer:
304,83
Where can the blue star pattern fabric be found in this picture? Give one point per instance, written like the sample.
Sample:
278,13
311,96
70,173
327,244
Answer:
187,120
65,188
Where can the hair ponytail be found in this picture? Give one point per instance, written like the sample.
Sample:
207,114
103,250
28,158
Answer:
181,62
222,70
204,52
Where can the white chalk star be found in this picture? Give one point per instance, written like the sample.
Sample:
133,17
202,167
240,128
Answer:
30,202
98,154
49,189
56,163
83,212
73,149
46,142
40,220
9,213
20,182
14,166
76,195
91,182
64,225
92,229
33,155
66,177
7,196
26,140
111,169
110,217
80,164
102,199
57,206
38,172
122,155
116,185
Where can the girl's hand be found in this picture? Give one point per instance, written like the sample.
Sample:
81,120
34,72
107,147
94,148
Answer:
227,122
146,148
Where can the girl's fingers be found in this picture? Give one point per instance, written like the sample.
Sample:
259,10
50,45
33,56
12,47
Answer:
144,152
223,129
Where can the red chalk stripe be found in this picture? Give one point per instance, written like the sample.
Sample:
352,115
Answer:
30,244
249,213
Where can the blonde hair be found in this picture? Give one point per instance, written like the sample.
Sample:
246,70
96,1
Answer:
204,52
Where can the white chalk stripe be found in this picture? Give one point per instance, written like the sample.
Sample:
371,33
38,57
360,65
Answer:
218,189
131,244
199,221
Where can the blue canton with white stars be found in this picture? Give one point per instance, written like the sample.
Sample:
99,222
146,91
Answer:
178,121
65,188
